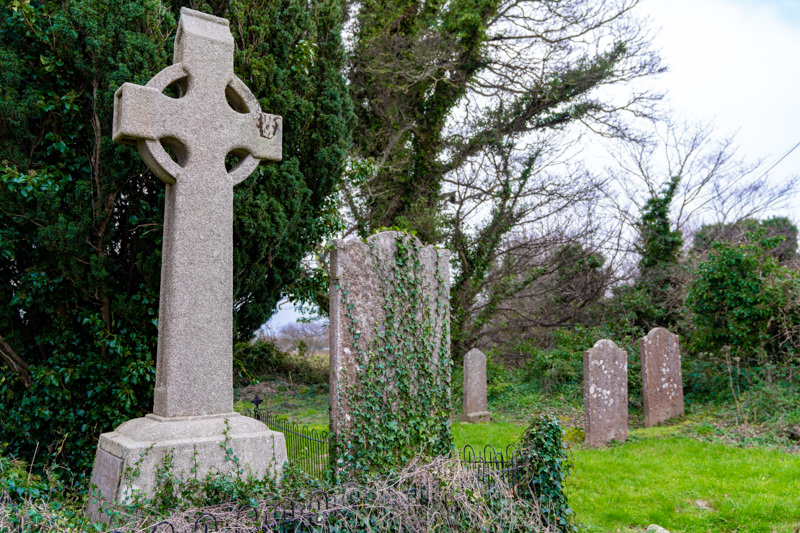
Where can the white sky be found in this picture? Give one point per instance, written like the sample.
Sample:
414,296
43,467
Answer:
735,62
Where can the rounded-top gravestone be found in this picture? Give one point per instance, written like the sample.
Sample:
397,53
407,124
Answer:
662,382
605,393
475,399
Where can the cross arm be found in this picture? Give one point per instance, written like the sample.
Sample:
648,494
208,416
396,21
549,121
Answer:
135,114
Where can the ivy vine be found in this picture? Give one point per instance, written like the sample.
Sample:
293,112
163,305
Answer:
399,403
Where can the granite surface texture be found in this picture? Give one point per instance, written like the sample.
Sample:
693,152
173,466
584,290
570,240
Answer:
185,142
662,382
605,393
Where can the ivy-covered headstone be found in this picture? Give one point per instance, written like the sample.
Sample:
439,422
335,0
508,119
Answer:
390,352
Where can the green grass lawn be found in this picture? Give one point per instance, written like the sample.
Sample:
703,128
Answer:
686,485
660,476
497,434
680,483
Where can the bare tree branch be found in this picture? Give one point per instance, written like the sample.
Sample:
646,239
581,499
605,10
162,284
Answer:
17,365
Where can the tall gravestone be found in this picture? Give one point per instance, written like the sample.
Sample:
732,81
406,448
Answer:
662,382
389,343
214,116
605,393
475,400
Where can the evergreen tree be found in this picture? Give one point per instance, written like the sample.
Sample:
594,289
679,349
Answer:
81,217
659,245
653,299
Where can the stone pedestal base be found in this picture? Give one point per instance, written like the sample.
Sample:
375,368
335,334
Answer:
128,458
480,416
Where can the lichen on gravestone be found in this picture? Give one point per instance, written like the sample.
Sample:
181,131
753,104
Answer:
662,381
605,393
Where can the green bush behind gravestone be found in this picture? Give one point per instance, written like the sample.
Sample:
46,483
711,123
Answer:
81,217
744,301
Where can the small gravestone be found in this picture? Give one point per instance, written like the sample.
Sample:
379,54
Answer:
214,118
662,383
475,402
605,393
389,347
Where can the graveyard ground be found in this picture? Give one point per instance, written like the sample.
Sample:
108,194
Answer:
731,464
728,465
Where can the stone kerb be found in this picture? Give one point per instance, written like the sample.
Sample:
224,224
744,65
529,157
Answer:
605,393
475,400
363,326
662,382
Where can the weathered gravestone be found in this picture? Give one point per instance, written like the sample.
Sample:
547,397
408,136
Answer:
662,382
193,424
605,393
475,401
390,351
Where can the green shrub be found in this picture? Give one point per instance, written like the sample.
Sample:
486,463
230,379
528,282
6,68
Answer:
253,361
496,371
555,370
499,380
742,300
543,480
709,379
559,369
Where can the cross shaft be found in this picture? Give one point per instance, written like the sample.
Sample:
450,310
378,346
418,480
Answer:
215,116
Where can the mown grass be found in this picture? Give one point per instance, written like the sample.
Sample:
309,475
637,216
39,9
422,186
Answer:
718,469
686,485
661,476
496,434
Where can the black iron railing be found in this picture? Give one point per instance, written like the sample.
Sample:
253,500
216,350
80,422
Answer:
506,463
308,449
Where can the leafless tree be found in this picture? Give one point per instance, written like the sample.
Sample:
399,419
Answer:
530,245
313,334
716,186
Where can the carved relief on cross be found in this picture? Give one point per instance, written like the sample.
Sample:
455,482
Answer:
214,117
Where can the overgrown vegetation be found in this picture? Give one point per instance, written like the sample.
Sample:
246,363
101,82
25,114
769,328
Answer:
461,139
438,493
744,302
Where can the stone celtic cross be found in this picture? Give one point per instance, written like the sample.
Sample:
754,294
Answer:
215,118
